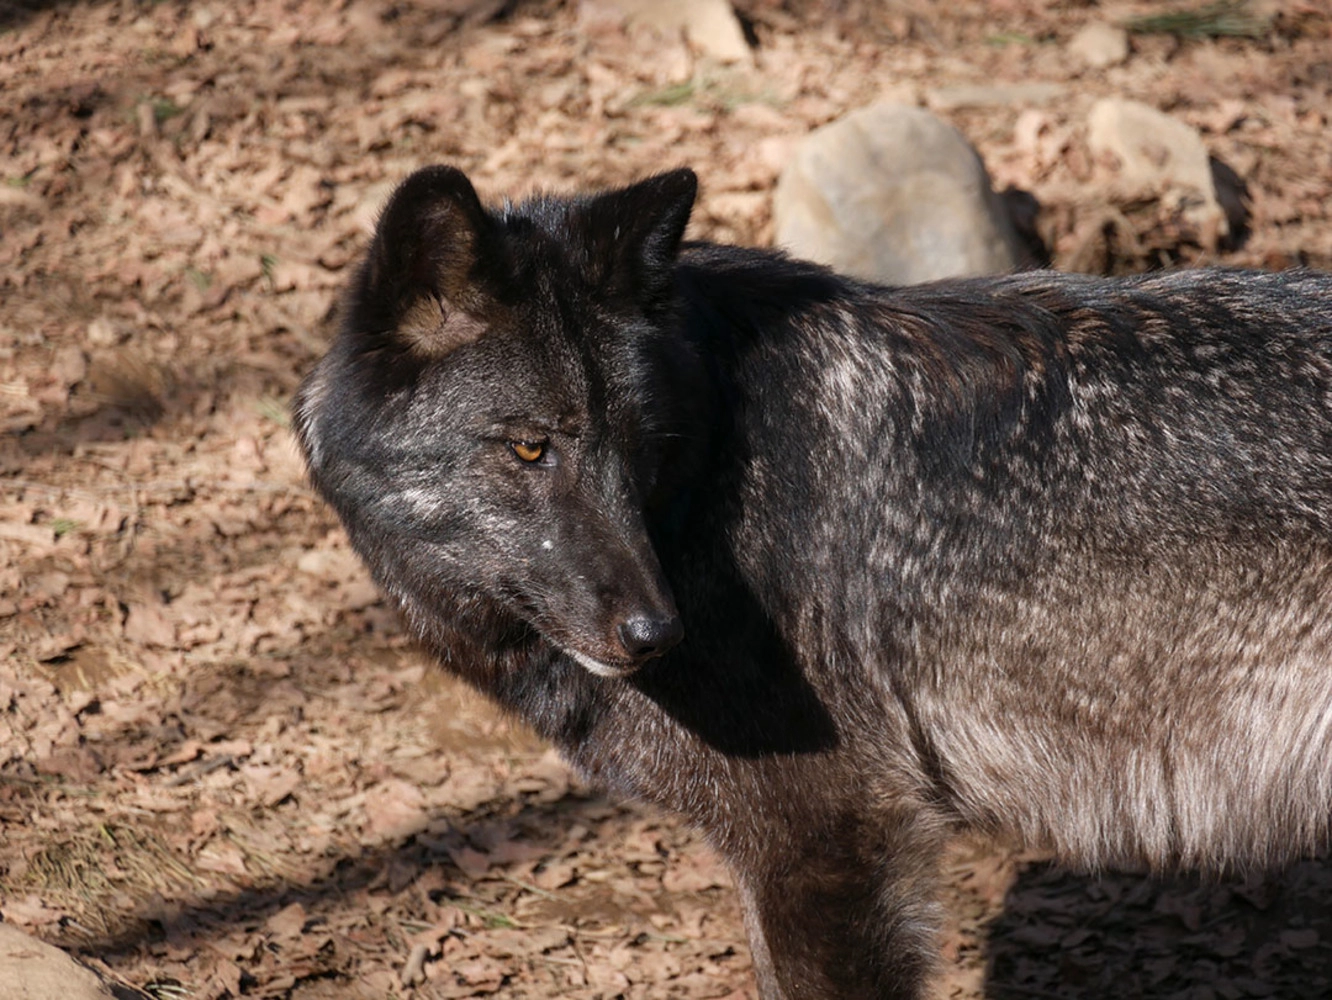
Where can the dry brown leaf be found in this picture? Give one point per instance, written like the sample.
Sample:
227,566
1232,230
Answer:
394,808
223,857
288,922
149,624
270,784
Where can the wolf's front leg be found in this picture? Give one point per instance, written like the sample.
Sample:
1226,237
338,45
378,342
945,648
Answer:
845,915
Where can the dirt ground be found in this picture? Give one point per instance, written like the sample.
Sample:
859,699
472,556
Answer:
225,771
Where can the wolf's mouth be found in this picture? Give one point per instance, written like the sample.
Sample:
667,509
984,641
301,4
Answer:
639,638
600,667
540,623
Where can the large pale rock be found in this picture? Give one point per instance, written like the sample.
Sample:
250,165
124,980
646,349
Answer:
893,194
1158,156
34,970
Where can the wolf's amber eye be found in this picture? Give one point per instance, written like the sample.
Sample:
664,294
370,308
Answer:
529,451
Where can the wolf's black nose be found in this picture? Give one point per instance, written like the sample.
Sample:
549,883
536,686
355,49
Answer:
644,637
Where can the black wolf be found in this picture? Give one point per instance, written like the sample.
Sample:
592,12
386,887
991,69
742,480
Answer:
838,570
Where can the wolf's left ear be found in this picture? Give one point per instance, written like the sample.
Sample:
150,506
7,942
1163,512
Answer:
635,233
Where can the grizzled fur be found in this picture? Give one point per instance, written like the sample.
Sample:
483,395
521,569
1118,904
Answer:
1043,556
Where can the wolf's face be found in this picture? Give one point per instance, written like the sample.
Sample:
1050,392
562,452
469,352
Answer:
492,421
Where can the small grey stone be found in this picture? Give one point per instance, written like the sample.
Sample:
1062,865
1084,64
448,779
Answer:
710,25
1159,156
893,194
990,95
1099,45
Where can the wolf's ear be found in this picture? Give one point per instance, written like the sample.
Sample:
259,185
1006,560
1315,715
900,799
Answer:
421,285
635,233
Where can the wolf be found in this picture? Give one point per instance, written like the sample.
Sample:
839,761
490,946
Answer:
837,571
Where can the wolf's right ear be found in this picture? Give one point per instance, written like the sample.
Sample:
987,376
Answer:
421,285
634,233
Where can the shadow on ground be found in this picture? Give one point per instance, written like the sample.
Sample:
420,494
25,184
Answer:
389,868
1116,936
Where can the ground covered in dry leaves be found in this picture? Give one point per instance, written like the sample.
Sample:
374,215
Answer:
224,769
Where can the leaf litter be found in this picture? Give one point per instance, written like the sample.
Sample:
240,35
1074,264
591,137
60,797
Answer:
224,769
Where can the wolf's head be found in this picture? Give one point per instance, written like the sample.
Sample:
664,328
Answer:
502,407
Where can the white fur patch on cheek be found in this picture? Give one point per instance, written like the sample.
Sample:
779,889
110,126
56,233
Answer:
421,501
311,403
547,545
